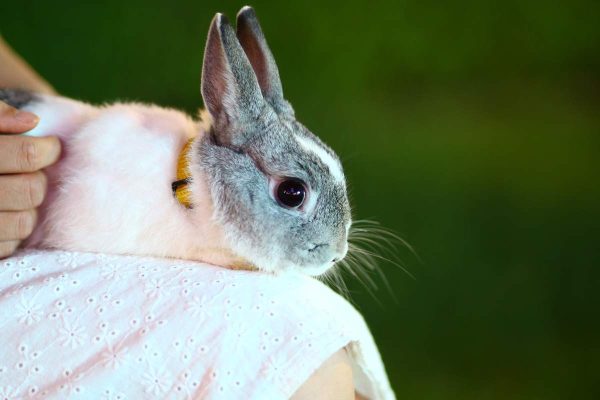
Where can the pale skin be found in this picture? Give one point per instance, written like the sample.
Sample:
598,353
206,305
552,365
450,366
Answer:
332,381
23,188
22,159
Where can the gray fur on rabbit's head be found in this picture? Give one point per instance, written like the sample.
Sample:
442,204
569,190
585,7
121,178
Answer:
278,191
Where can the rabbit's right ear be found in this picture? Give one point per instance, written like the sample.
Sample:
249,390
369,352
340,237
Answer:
229,86
255,45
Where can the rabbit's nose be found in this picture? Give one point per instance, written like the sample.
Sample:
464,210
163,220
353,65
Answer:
341,251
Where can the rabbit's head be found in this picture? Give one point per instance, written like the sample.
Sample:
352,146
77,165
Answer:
277,190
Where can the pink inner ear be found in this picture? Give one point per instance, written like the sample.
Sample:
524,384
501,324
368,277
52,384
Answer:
256,57
214,81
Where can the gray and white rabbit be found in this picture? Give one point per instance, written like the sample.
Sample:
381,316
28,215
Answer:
256,189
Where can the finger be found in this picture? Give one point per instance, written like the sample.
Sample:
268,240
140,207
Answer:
7,248
16,225
23,191
27,154
16,121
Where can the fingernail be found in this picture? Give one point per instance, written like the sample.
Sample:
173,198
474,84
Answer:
26,117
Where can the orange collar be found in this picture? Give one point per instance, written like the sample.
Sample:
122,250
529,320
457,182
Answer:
183,194
180,187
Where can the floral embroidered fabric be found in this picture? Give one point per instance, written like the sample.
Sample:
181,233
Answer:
83,325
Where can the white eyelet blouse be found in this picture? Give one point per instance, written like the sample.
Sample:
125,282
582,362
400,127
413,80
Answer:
94,326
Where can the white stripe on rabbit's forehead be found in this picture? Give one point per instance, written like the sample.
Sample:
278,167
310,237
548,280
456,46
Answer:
334,166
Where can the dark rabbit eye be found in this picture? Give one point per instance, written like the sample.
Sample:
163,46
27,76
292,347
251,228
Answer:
291,193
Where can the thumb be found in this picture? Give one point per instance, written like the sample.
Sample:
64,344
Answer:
16,121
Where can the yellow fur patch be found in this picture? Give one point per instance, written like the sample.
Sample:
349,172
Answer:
182,192
184,195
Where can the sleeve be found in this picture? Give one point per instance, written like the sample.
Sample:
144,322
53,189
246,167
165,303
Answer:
115,327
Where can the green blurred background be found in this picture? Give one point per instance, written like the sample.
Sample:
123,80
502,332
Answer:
471,128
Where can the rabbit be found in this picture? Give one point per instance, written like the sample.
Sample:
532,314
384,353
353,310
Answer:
246,186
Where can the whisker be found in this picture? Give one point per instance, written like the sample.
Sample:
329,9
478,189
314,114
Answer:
333,279
362,276
374,228
371,254
368,244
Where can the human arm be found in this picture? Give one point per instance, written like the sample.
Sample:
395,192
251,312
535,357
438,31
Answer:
22,184
331,381
16,73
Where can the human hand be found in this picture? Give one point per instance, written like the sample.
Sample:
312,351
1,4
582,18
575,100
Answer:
22,183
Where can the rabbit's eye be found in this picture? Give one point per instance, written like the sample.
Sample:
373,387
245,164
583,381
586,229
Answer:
291,193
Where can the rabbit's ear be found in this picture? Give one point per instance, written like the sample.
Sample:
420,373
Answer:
255,45
229,86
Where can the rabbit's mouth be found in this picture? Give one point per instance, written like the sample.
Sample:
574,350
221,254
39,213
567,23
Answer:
316,246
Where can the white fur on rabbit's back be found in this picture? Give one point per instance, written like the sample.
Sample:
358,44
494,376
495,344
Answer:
115,180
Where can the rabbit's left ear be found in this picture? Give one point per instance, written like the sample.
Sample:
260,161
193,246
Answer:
255,46
229,86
